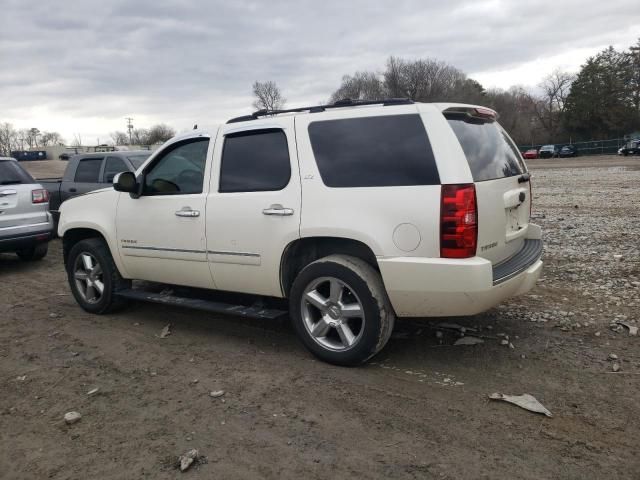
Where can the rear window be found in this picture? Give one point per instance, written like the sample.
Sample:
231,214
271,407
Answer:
11,173
384,151
489,151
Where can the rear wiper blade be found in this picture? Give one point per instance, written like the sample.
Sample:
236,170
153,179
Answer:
524,177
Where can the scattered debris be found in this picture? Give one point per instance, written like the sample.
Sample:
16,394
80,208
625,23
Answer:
21,378
618,257
455,326
615,367
166,331
194,381
53,315
72,417
187,459
216,393
468,341
633,330
504,342
613,356
597,334
526,401
93,392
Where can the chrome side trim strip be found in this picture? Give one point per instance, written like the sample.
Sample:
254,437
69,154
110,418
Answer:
236,254
162,249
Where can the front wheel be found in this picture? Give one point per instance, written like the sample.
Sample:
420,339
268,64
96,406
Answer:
94,278
340,310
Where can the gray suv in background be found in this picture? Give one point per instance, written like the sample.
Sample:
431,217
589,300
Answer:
26,225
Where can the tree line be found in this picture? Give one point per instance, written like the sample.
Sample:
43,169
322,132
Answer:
602,101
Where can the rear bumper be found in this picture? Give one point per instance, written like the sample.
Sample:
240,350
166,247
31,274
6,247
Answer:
26,236
436,287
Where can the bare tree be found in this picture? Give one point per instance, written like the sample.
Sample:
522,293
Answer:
51,138
360,86
550,105
119,138
159,133
8,139
268,96
77,140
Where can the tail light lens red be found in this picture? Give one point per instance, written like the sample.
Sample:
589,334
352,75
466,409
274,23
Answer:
39,196
458,221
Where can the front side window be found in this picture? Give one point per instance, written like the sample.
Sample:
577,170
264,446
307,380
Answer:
255,161
383,151
113,166
178,171
88,170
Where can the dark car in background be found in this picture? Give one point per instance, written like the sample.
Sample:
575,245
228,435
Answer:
26,225
87,172
568,151
631,148
548,151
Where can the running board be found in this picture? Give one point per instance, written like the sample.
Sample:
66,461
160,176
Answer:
252,311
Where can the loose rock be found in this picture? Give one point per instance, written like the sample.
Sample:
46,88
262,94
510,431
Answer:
187,459
72,417
166,331
216,393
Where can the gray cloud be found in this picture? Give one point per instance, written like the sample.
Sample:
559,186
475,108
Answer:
185,61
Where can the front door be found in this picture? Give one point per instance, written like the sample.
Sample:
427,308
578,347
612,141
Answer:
253,208
161,234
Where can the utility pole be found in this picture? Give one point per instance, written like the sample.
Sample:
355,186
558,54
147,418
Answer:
129,127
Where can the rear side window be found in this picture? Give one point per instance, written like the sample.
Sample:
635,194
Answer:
489,151
385,151
88,170
255,161
11,173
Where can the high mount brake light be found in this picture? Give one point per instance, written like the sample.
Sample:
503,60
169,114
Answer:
458,221
485,113
39,196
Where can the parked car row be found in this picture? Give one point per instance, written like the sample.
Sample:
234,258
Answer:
631,148
551,151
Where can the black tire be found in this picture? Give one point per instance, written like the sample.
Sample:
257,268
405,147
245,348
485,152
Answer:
110,277
364,284
34,253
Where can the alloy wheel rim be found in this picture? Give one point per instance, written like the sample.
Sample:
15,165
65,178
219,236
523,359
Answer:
333,314
88,277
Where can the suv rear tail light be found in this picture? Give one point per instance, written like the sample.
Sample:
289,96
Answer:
39,196
458,221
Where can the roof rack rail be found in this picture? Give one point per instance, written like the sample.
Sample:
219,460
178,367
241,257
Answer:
345,102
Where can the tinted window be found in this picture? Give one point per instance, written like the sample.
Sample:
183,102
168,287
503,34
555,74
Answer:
112,166
180,170
489,151
373,152
11,173
255,161
138,160
88,170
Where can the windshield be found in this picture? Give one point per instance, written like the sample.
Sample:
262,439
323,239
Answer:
11,173
138,160
489,150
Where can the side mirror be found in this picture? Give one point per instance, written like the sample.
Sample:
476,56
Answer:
125,182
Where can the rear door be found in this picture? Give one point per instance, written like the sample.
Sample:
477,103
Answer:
16,206
502,184
253,208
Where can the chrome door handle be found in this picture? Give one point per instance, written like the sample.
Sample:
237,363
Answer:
187,212
6,193
279,210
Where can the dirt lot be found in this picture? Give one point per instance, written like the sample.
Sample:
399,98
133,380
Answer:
419,410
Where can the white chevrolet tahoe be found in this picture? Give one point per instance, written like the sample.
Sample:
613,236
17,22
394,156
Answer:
356,212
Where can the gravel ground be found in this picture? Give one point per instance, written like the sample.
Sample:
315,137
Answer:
419,410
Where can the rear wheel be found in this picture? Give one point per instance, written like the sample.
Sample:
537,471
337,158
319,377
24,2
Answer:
94,278
34,253
340,310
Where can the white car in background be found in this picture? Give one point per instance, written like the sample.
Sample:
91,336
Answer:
356,212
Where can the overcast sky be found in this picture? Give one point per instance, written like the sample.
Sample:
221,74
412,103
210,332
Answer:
83,66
